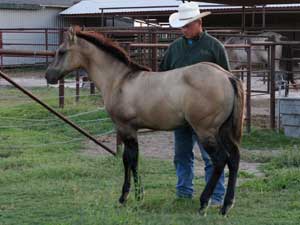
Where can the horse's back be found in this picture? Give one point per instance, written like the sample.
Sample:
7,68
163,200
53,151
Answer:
208,94
205,74
204,77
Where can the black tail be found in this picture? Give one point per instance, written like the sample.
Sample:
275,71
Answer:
232,129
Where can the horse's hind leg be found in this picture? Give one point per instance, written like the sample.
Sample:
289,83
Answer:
219,159
130,161
233,165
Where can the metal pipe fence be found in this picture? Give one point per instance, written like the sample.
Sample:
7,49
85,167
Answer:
147,45
62,83
271,85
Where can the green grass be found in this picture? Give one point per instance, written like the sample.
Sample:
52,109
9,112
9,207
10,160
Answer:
46,184
266,139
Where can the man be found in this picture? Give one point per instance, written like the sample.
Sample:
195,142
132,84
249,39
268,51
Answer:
195,46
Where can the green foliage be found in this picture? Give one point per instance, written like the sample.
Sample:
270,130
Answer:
288,158
277,180
245,174
267,139
260,156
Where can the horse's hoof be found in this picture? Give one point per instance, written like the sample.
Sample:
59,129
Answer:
140,198
123,198
203,211
225,209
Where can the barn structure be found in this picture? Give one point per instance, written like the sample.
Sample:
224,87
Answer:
225,14
43,18
30,25
228,17
32,13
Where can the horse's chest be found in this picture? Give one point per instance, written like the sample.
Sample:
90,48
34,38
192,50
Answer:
121,112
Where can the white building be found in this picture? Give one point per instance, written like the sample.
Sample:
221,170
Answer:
32,13
36,15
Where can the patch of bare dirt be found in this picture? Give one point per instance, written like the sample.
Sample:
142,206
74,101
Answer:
160,145
26,78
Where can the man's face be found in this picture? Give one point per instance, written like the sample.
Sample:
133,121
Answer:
192,29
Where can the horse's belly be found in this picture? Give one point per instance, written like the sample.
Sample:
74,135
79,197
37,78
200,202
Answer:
160,118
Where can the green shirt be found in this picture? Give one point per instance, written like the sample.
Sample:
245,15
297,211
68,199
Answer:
203,49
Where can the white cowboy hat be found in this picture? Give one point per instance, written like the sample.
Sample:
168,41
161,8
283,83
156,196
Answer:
187,12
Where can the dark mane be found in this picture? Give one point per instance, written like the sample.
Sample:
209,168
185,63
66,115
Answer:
110,47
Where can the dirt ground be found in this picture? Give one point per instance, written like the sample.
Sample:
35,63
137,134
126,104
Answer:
159,145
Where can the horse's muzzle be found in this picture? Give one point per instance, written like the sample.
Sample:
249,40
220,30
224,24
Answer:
52,76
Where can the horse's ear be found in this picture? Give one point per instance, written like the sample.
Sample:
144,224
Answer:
72,34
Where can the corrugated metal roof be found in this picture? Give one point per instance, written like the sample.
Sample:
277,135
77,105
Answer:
65,3
119,6
251,2
283,5
124,6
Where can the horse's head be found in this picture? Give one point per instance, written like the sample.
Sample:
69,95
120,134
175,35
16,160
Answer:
67,58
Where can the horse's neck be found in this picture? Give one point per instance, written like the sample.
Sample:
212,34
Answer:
105,71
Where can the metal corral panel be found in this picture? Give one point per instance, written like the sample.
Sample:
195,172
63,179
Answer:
15,19
291,120
290,116
292,131
290,105
34,41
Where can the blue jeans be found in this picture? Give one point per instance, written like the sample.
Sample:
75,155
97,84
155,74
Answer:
185,138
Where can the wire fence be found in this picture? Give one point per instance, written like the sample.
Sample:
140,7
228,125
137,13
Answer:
73,140
24,125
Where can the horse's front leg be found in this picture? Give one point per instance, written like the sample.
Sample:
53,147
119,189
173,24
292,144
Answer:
130,161
127,176
139,192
